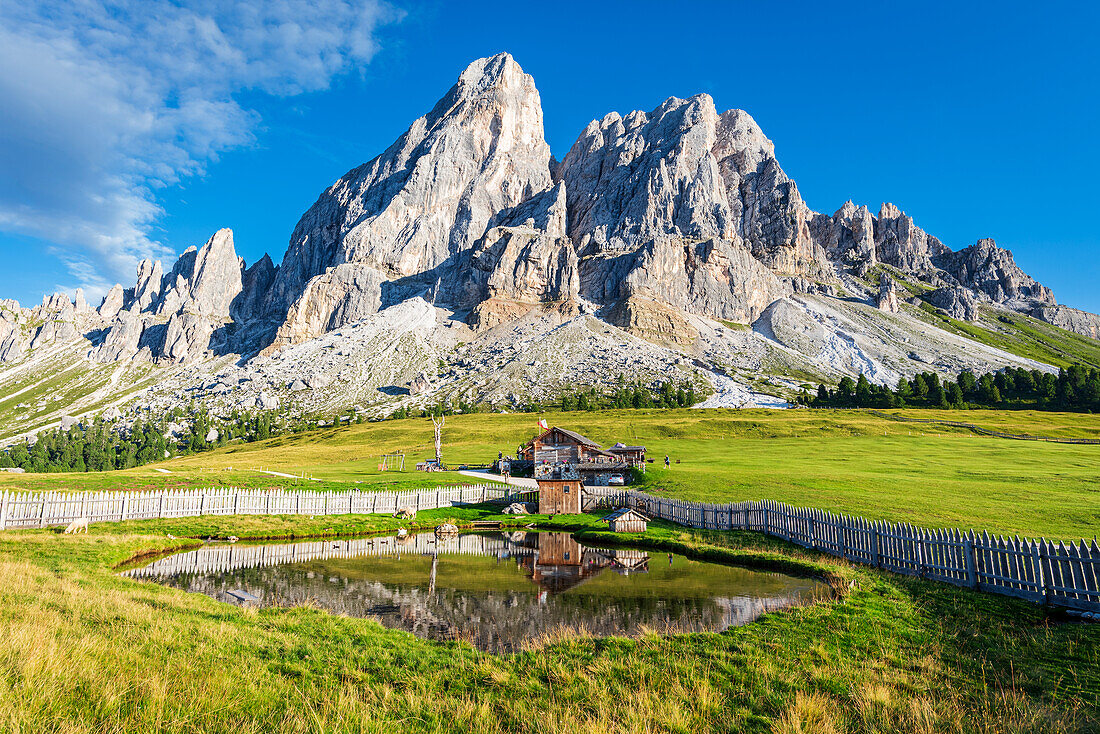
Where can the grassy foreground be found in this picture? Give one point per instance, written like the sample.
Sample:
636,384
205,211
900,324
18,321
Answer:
84,650
846,461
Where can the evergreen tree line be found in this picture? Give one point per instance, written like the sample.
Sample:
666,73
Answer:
634,395
1075,389
105,445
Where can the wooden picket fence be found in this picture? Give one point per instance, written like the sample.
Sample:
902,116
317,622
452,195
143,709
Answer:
42,509
1058,574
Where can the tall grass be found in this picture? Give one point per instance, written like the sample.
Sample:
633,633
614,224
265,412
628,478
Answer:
84,650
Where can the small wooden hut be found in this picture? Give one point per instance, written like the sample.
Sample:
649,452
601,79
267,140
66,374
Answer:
626,520
559,489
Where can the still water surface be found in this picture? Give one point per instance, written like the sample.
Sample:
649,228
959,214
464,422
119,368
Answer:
496,591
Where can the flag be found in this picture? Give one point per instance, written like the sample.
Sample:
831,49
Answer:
542,424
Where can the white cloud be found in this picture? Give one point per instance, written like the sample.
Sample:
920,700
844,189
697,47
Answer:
103,103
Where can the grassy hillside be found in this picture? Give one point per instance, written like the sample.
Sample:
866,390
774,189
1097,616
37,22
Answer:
846,461
1022,335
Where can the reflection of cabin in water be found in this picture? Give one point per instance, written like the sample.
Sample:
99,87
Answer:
563,563
594,464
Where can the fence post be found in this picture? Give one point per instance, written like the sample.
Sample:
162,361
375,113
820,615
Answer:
971,563
920,552
876,553
351,505
236,497
4,511
160,505
202,504
1041,580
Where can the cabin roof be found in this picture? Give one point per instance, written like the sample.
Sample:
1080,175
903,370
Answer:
624,512
624,447
571,434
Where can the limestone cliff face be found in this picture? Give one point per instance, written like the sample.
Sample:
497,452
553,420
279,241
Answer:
430,196
650,219
525,259
1071,319
993,271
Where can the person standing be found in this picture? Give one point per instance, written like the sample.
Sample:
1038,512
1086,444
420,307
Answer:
667,462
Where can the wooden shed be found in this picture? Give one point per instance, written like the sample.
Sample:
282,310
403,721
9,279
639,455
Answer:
559,489
626,520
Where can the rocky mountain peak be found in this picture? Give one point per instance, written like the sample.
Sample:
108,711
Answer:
414,210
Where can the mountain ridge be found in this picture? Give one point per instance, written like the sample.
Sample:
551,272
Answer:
650,222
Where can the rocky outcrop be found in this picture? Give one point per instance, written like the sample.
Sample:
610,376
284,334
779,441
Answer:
992,270
1071,319
121,341
112,302
255,284
652,320
343,294
955,301
186,338
683,171
430,196
786,323
848,237
887,299
523,261
716,278
904,245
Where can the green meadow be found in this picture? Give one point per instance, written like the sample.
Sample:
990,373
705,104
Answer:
83,649
844,461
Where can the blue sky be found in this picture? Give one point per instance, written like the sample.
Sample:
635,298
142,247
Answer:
144,127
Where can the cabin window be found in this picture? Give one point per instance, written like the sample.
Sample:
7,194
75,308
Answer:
566,488
567,555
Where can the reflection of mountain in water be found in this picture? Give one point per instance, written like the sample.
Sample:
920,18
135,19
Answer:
466,588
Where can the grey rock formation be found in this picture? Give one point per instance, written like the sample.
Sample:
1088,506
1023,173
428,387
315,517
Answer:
121,340
956,302
343,294
186,338
904,245
204,281
112,302
992,270
789,325
429,197
255,283
887,299
420,385
848,236
148,284
524,259
717,278
682,171
1071,319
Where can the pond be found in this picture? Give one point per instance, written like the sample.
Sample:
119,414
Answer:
498,591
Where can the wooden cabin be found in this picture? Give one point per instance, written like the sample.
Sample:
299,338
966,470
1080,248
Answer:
595,465
626,520
559,489
632,455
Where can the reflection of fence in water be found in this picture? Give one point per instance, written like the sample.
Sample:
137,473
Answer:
424,609
222,558
1037,570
